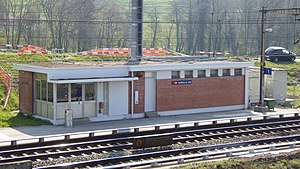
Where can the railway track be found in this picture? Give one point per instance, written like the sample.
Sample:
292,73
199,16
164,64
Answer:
98,151
180,155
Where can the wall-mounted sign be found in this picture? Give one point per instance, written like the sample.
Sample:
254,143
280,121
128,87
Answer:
181,82
268,71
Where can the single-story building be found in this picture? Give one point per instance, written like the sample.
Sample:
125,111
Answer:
102,91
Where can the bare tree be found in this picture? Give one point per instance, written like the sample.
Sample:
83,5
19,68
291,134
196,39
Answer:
176,11
154,26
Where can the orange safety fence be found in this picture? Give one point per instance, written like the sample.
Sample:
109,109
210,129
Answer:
30,49
125,52
7,80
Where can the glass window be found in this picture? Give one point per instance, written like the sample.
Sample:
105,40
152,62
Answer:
89,92
188,74
285,51
201,73
277,52
38,76
38,89
62,93
44,90
175,74
226,72
238,72
44,77
214,72
41,86
50,92
76,92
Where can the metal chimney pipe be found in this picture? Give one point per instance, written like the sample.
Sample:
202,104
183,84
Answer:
137,28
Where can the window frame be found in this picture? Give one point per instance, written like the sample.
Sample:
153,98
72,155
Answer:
203,74
76,93
188,75
59,91
86,95
214,74
177,76
226,72
240,73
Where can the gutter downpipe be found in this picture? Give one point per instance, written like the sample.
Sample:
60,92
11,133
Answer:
132,96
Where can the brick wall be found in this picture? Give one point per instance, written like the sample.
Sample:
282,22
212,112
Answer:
202,93
139,85
26,92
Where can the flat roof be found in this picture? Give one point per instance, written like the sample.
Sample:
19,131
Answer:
145,61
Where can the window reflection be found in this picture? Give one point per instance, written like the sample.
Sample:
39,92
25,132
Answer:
44,90
89,92
175,74
38,89
76,92
62,93
214,72
50,92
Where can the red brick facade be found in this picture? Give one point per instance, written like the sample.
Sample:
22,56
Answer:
202,93
139,85
26,92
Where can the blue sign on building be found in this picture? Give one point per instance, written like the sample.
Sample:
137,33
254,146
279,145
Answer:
182,82
268,71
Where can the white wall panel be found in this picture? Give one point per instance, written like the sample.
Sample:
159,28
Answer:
87,72
118,98
150,94
61,107
89,109
164,75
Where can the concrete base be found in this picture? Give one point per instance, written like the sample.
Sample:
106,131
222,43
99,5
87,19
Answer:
151,114
20,165
261,109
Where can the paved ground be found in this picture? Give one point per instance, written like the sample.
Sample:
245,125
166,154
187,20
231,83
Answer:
23,132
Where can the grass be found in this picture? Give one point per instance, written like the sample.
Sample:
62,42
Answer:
294,91
292,67
9,119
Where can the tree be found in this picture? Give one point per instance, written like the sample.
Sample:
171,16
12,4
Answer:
154,26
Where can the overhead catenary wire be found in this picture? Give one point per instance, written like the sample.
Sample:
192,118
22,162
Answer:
257,21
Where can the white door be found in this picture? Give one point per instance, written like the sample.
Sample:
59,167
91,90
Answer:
76,100
89,100
150,91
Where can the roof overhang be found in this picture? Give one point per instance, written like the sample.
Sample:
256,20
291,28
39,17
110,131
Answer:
189,66
92,80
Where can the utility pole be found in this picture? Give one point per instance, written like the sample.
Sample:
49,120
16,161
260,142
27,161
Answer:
262,58
261,106
210,34
137,28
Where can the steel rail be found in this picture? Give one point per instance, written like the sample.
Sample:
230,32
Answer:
209,155
263,127
179,152
130,140
138,130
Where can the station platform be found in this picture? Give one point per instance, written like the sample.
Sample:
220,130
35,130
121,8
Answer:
33,131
